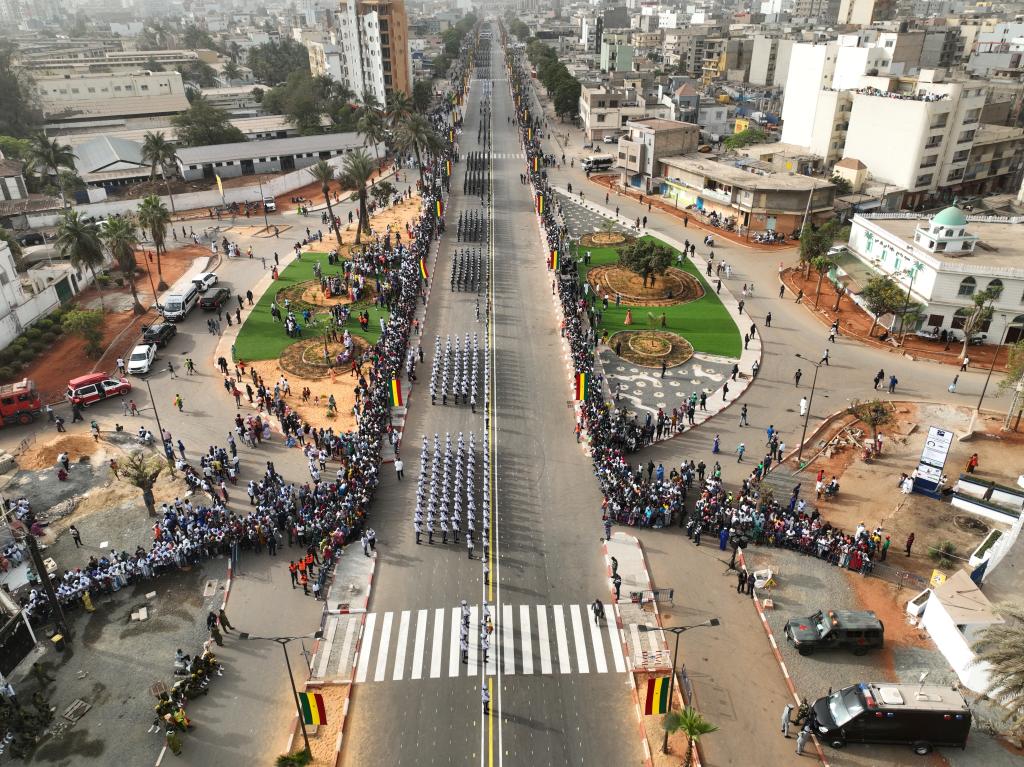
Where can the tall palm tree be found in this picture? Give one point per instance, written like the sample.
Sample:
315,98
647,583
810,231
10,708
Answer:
416,134
78,240
50,155
372,128
323,173
120,235
1001,645
159,153
399,109
230,71
356,173
692,725
153,215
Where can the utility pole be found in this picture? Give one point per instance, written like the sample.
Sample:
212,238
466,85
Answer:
37,561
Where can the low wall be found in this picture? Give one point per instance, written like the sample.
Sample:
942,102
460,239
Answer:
981,508
996,494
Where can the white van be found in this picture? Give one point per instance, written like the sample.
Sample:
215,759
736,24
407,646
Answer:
598,162
175,306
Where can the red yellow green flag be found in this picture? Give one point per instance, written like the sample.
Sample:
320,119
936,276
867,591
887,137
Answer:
536,164
396,392
657,696
423,269
440,209
554,259
313,711
581,386
540,203
448,167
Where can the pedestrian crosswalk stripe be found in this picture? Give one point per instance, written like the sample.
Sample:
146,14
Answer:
366,642
394,646
403,639
634,632
385,642
563,642
582,664
321,666
542,637
524,628
419,644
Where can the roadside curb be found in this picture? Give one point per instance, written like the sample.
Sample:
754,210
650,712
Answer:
741,561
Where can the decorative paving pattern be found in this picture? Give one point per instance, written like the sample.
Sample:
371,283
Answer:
644,390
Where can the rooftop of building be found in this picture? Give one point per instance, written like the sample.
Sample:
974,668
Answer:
987,133
277,147
10,168
660,124
128,106
734,176
998,247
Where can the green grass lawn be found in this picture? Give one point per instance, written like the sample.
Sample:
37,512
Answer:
261,338
705,323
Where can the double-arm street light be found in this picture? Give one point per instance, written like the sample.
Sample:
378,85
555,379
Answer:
677,630
810,401
283,642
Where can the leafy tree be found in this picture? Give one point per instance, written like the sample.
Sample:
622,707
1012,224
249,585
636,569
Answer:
6,235
141,470
440,64
646,258
198,73
1001,645
978,314
745,138
382,192
373,130
159,153
356,173
567,99
872,414
274,62
19,114
300,100
882,295
230,71
51,156
119,234
16,148
204,124
193,38
842,185
87,323
417,135
399,110
323,173
692,725
154,216
519,29
153,65
422,95
79,241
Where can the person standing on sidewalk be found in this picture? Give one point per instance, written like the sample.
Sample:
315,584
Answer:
741,582
910,543
76,536
399,468
786,713
801,740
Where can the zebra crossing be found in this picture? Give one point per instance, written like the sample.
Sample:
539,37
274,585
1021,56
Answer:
498,155
407,645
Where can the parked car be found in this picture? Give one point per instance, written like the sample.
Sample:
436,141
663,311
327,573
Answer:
205,281
215,300
269,204
31,238
611,139
857,630
95,387
140,361
159,333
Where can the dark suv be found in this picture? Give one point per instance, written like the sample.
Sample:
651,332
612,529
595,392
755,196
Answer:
215,299
159,334
858,631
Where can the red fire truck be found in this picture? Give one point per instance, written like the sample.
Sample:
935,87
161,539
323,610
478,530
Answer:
19,402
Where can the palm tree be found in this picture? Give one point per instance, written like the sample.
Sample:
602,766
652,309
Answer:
78,240
356,173
50,155
372,128
415,134
1001,645
119,234
230,71
159,153
692,725
323,173
153,216
399,109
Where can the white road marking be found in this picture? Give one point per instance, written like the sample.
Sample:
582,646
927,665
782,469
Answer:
474,638
616,644
564,666
595,639
453,652
385,643
508,640
400,645
582,662
419,644
543,641
345,663
526,641
364,648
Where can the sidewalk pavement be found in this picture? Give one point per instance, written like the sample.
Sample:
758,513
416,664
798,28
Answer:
646,649
716,401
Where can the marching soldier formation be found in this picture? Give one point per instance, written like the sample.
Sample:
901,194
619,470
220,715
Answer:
472,227
468,270
456,369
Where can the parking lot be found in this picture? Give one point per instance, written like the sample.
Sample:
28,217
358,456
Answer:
805,585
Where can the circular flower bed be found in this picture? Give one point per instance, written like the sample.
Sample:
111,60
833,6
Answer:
673,287
650,348
305,359
603,239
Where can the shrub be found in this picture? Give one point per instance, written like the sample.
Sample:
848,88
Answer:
943,554
25,356
119,281
297,759
33,334
7,373
44,324
18,344
51,335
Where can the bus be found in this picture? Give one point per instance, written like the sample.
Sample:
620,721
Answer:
598,162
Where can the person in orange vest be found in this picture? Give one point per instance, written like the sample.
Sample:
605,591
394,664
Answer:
305,583
293,571
309,563
301,563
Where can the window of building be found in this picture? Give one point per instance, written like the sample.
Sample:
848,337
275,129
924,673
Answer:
924,180
936,320
967,286
995,287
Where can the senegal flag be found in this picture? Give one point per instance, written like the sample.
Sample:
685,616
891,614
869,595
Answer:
448,167
581,386
536,164
423,269
395,392
313,711
657,696
540,203
554,259
440,209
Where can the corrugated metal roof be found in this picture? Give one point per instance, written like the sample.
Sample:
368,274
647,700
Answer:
106,153
277,147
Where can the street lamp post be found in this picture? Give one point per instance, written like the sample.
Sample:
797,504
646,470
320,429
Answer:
159,428
912,271
810,402
677,630
995,354
283,642
263,205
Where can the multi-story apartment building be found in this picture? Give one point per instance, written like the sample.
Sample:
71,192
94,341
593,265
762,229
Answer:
863,13
605,111
372,39
815,11
1002,48
60,63
640,152
616,52
769,61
